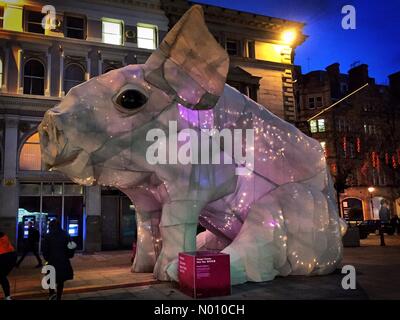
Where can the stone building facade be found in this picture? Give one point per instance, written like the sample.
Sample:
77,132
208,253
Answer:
360,135
87,38
261,57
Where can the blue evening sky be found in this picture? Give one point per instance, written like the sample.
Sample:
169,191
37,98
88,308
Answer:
375,41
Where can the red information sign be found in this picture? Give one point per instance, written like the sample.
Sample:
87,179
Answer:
204,274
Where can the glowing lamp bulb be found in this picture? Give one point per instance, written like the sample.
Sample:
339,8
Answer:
289,36
371,189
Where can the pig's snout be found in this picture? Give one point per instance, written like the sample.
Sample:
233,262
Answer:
52,139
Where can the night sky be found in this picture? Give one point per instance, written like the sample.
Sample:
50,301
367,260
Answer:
375,41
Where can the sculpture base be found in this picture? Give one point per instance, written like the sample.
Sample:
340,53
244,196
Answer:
204,274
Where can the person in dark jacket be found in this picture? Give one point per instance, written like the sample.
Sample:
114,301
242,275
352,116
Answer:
31,244
8,257
384,212
57,254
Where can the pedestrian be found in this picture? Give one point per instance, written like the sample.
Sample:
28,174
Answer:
384,212
31,244
395,223
56,252
8,257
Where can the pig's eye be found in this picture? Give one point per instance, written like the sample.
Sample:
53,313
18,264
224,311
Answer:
131,99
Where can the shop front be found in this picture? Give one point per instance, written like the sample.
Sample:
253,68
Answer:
42,202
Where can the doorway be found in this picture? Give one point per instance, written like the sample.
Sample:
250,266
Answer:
118,220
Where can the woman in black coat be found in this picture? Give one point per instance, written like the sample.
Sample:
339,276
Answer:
57,254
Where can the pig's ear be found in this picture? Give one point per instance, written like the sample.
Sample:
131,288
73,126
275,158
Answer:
189,63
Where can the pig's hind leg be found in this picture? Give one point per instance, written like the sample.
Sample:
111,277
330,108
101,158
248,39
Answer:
294,229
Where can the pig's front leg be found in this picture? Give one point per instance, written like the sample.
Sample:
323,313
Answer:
146,256
148,215
178,229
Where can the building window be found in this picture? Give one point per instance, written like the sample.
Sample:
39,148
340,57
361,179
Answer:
251,49
314,102
1,72
34,22
1,17
318,102
147,37
321,125
34,77
341,124
75,27
30,156
112,31
232,47
369,129
311,104
317,125
343,88
323,145
74,75
313,126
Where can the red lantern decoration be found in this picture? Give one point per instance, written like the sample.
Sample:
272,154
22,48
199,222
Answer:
373,159
345,146
378,162
394,163
358,143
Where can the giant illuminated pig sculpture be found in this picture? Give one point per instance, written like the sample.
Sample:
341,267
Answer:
275,216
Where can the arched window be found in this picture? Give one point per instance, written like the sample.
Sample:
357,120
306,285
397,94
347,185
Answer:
30,156
74,75
34,77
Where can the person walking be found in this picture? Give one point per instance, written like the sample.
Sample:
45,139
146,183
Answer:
31,244
56,252
384,212
8,257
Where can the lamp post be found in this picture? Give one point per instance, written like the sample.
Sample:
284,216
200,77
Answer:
371,191
381,234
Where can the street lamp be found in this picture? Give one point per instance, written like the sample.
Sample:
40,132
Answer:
381,233
288,36
371,191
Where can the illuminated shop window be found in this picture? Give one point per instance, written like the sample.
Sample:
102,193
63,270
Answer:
112,31
34,77
74,75
147,36
30,157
